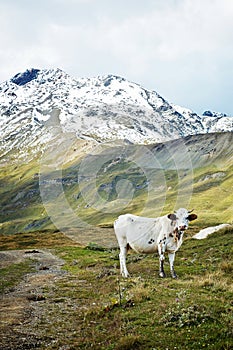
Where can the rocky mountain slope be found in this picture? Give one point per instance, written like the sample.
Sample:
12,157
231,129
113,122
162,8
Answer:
106,181
37,105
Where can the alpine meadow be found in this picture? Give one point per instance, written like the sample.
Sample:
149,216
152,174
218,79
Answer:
74,155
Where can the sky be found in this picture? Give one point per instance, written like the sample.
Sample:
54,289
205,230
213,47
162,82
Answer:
183,49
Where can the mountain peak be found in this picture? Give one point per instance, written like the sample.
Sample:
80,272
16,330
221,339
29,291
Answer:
102,108
209,113
25,77
109,78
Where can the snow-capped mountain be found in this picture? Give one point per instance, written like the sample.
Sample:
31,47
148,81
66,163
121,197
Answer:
37,104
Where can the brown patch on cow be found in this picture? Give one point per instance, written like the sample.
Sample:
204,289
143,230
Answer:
175,234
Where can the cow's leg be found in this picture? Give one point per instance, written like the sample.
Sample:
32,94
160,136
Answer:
161,269
161,250
171,257
122,258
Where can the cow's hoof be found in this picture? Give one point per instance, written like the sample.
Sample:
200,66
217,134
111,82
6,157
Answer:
174,275
125,275
162,274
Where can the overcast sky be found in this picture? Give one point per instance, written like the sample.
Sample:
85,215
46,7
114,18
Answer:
183,49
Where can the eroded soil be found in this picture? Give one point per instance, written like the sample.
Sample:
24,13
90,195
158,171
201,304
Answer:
19,306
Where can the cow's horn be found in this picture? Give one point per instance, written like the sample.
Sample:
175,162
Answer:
190,211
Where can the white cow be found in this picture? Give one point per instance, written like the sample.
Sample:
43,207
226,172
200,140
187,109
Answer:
148,235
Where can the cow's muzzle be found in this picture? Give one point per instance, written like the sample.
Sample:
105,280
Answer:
182,228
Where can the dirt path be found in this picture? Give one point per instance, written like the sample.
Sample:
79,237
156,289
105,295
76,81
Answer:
19,306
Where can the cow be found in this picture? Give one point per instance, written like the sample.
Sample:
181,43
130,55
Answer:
148,235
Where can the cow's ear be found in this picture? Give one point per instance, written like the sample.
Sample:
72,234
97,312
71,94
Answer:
172,217
192,217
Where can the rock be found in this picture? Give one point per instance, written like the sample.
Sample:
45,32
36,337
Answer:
207,231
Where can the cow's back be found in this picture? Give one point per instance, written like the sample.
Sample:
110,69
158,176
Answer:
137,231
123,222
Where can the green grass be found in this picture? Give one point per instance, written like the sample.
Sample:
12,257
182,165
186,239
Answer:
104,192
91,306
144,311
33,240
11,275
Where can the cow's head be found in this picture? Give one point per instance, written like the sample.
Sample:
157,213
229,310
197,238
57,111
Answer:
181,218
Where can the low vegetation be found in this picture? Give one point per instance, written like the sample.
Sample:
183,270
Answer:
99,185
64,291
89,306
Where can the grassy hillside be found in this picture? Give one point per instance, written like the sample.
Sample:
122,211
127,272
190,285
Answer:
89,306
79,189
86,183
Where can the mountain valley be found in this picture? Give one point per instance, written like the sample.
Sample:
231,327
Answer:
75,154
79,152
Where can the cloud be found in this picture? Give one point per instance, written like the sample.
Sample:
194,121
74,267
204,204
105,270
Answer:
182,48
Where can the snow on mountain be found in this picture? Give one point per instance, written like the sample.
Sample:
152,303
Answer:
211,121
35,103
217,122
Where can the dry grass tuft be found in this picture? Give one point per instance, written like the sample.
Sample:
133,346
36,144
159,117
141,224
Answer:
216,280
128,342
